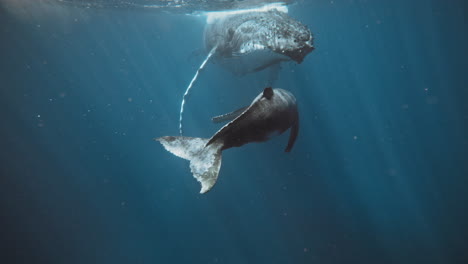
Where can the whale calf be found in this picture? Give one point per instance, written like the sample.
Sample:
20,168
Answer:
252,40
272,111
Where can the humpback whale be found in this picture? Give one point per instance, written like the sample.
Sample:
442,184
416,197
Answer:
252,40
272,111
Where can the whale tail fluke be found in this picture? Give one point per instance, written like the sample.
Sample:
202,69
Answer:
205,161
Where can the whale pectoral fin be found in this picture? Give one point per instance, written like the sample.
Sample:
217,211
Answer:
229,116
181,113
292,136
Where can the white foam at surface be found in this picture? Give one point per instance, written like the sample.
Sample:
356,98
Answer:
212,16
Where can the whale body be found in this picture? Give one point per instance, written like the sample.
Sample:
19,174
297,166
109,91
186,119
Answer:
272,112
253,41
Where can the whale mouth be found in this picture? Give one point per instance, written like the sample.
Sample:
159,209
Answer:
298,48
295,44
298,55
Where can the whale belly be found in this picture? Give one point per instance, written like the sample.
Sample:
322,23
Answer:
251,62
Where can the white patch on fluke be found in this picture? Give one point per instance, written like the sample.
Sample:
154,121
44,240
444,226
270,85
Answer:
205,162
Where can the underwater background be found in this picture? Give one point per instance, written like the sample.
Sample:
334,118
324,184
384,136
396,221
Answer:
379,173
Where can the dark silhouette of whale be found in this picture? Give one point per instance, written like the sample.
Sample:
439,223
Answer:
272,111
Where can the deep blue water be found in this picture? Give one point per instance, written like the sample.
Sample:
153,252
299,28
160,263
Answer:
379,173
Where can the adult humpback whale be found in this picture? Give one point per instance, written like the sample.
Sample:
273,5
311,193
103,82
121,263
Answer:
273,110
252,40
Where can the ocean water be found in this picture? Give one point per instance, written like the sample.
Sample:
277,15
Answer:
379,173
